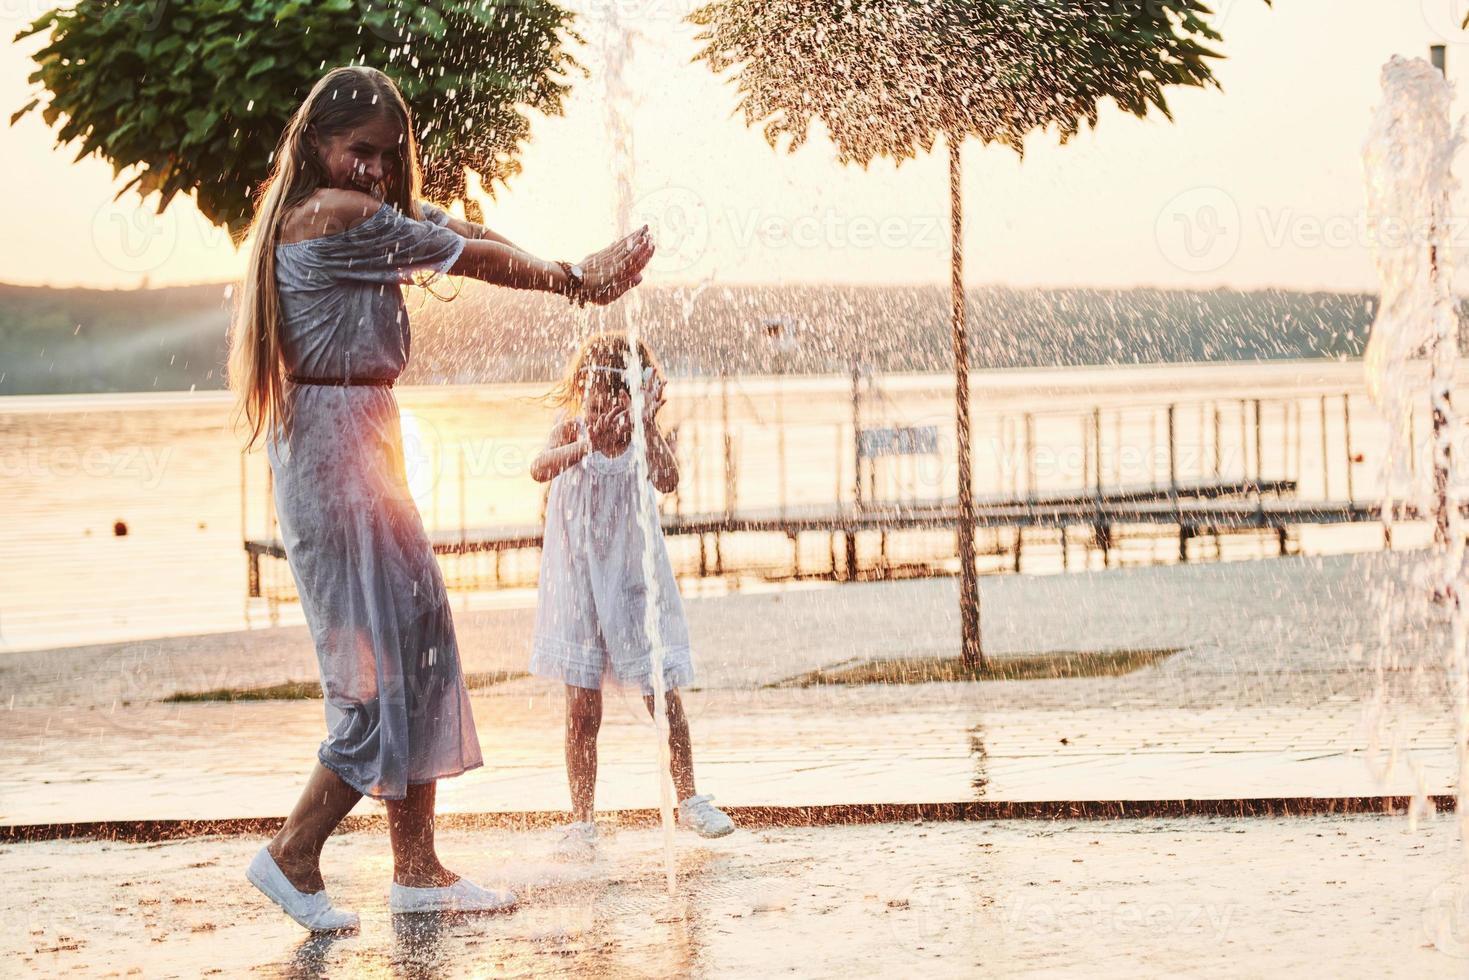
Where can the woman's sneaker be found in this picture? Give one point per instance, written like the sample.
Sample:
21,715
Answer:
578,842
462,896
699,814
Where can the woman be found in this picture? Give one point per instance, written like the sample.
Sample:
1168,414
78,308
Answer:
321,332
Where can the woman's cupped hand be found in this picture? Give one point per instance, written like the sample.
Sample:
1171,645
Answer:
617,268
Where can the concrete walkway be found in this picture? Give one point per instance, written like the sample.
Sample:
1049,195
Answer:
1361,896
1269,697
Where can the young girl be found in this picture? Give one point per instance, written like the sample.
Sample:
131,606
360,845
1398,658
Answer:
321,332
592,603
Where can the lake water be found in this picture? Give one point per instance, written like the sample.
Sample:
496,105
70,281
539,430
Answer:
169,468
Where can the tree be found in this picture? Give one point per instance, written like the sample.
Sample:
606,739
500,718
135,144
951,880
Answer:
887,78
195,93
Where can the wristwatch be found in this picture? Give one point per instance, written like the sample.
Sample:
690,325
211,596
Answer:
575,289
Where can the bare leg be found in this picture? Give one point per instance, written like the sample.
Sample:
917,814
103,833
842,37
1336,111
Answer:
583,721
297,847
681,749
411,829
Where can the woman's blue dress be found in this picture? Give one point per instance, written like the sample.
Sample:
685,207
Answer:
397,708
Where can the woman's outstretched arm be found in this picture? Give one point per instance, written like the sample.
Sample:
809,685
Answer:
476,232
606,274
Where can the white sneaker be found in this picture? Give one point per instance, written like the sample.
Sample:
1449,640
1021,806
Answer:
699,814
462,896
314,911
578,843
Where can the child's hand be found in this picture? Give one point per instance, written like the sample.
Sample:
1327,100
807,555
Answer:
611,431
653,399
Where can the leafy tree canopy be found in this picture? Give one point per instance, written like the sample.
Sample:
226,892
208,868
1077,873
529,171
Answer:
887,77
196,93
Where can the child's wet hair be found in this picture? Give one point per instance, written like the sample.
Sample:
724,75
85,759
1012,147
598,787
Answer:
601,362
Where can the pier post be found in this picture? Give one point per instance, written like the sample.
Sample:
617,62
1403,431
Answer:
1153,448
1199,447
1218,447
1086,457
1325,455
831,537
1029,454
1244,442
856,435
1183,533
780,441
729,477
1259,448
1097,449
1300,467
1172,454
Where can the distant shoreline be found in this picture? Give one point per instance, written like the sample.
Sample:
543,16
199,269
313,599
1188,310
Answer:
175,339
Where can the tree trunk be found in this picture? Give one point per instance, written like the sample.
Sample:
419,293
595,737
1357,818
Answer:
971,649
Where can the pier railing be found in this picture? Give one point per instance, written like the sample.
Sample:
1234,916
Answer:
1092,486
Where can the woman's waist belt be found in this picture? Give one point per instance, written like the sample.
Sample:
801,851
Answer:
297,379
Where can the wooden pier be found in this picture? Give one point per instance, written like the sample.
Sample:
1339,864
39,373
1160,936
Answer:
1185,496
1187,512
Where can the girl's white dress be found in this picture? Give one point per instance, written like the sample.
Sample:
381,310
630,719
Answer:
594,595
396,704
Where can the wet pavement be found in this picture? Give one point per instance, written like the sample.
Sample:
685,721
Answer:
1272,695
920,744
1275,631
1367,895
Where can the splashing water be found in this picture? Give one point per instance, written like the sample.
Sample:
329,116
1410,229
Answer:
617,50
1409,158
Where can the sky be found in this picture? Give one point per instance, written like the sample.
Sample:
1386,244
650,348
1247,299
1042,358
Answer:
1259,184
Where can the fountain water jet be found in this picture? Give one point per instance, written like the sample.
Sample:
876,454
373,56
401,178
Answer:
1409,158
618,49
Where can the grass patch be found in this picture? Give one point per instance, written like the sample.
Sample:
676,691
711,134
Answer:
1061,665
311,690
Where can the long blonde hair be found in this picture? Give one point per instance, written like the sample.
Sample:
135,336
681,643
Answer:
603,362
344,98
